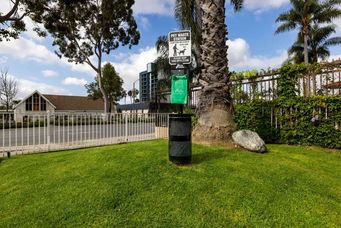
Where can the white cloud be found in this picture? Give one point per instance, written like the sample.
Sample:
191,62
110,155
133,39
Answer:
5,6
130,67
49,73
166,7
161,7
143,22
240,57
26,87
263,5
27,49
29,33
74,81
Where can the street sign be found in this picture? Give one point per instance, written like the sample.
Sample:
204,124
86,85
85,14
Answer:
179,90
180,45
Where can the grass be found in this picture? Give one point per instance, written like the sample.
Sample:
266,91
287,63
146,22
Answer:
134,185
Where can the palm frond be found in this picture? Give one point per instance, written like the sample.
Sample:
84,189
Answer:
333,41
287,26
237,4
162,46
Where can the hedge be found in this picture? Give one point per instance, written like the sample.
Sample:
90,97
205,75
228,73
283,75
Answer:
293,124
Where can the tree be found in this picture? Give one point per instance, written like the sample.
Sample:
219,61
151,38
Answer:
112,84
188,14
304,14
162,63
133,94
11,21
124,95
215,103
319,42
86,31
8,90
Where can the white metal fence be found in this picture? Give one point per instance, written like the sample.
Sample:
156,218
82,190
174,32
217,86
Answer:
61,131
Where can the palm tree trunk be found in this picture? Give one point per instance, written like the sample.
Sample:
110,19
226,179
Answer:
215,106
306,57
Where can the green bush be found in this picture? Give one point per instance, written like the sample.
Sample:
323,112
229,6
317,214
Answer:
256,116
193,113
294,124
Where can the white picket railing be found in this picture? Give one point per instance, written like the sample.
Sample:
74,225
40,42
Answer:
60,131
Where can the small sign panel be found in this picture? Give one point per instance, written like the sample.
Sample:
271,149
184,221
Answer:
180,45
179,90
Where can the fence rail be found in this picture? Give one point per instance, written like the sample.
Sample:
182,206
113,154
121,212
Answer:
61,131
265,86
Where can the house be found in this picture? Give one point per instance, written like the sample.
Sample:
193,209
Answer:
39,104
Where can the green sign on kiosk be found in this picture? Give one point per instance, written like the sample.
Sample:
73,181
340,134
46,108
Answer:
179,89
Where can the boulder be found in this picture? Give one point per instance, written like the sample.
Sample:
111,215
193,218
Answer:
249,140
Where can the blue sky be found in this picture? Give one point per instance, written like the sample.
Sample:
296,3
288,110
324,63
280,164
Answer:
253,45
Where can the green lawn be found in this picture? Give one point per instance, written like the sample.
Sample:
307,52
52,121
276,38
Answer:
135,185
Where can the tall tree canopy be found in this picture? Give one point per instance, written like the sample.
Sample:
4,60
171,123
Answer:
304,14
112,84
319,42
11,19
86,30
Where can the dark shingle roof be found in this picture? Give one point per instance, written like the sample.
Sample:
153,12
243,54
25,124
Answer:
75,103
136,106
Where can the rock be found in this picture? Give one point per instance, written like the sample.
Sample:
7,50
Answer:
249,140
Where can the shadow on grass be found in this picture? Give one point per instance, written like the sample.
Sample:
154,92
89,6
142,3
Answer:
208,156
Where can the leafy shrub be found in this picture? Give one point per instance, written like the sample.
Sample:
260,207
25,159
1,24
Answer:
293,121
193,113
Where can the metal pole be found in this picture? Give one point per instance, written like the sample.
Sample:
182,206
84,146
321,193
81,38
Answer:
126,127
48,131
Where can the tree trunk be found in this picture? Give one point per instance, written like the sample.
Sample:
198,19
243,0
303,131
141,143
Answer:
99,79
306,54
215,107
306,59
105,97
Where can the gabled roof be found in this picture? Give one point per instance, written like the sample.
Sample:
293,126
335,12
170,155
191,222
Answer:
69,103
75,103
36,91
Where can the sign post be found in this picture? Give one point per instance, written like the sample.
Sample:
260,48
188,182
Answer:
180,127
180,46
180,55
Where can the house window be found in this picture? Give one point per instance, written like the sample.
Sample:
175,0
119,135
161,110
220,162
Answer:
29,104
36,102
42,104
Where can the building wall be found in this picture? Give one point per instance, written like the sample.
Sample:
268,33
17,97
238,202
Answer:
20,111
148,82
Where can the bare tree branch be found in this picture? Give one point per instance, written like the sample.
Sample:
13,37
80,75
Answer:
8,89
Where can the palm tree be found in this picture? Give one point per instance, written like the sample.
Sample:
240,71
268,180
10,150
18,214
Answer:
304,14
124,94
318,44
161,63
215,103
130,94
188,14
